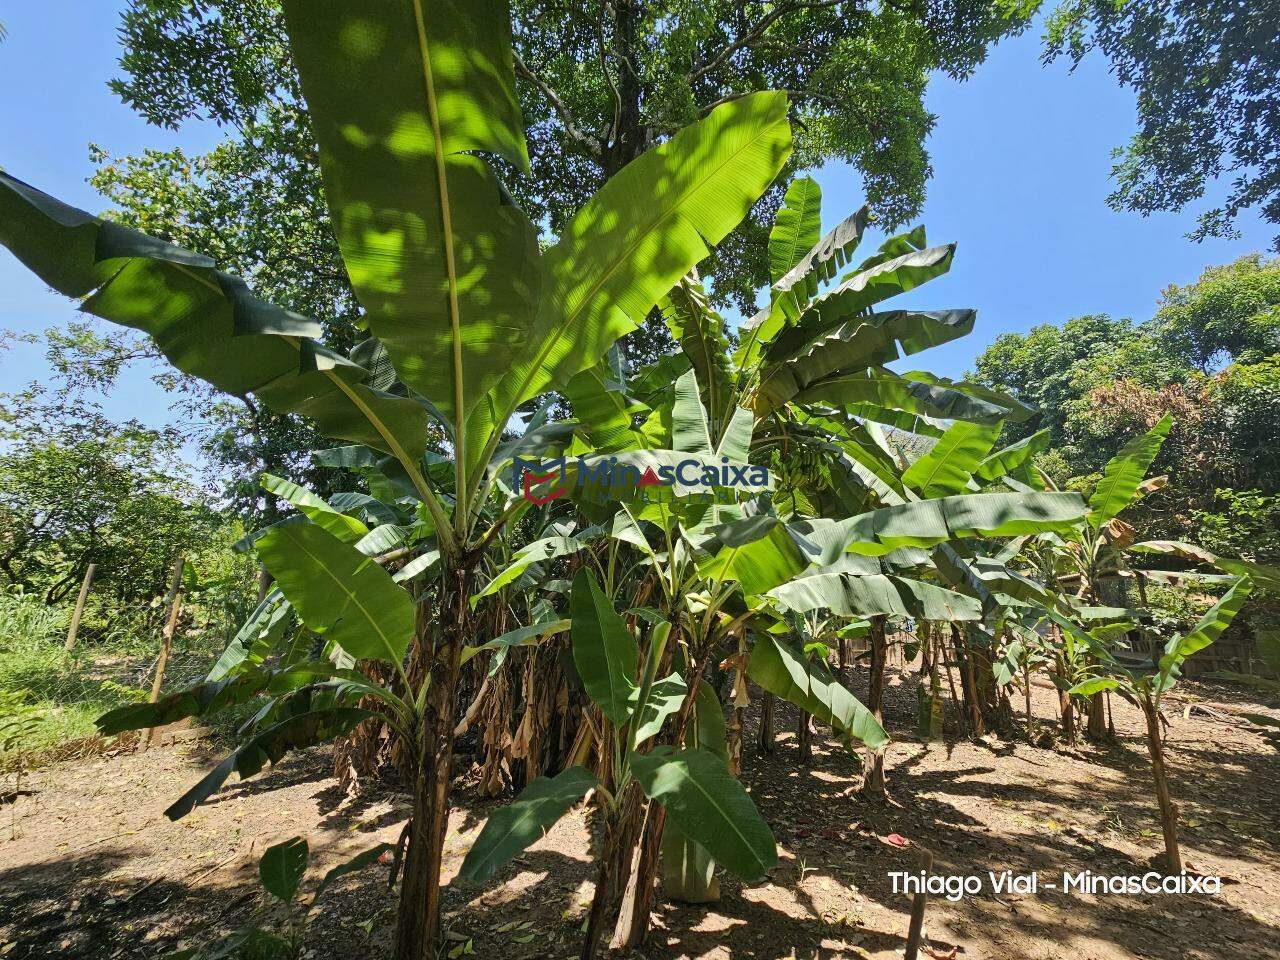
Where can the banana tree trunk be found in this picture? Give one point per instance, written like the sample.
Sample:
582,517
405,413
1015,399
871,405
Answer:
804,737
766,723
1160,777
873,774
418,923
969,686
616,857
632,928
1097,728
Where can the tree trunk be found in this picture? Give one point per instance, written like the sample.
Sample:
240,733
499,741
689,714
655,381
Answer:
873,774
738,713
418,923
79,611
614,871
1168,809
264,583
1068,709
629,138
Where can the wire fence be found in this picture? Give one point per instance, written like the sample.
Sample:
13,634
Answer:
57,692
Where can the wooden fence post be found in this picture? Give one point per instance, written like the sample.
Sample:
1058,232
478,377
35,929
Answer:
79,611
174,602
918,902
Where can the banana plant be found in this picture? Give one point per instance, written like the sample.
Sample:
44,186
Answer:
1146,687
692,785
409,101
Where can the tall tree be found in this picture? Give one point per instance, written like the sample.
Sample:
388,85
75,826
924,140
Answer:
1205,72
600,82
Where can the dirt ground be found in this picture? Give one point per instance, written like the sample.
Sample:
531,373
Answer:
96,870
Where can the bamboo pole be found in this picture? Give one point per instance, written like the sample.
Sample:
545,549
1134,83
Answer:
79,611
173,600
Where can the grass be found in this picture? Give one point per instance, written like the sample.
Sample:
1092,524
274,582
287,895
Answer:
49,696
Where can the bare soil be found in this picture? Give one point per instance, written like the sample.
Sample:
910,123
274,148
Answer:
96,871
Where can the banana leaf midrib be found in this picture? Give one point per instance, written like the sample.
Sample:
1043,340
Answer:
451,270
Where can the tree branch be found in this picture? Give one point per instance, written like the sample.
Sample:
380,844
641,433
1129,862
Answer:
791,94
571,127
755,33
604,69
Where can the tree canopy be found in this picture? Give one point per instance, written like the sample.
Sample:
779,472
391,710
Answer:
1204,72
1207,355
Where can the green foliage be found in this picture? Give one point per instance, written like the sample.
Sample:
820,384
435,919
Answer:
705,801
603,650
1231,314
281,868
1205,85
810,686
513,828
76,488
593,94
339,591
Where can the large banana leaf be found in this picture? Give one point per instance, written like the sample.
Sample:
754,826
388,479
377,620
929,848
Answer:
809,685
665,697
878,393
512,828
796,287
339,591
801,358
293,733
688,871
1013,456
204,321
700,331
257,637
949,465
345,528
757,552
1124,473
604,651
1205,632
796,228
1265,575
400,94
852,594
925,523
600,404
689,430
704,800
863,289
644,230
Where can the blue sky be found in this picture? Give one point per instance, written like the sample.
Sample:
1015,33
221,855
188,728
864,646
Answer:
1021,157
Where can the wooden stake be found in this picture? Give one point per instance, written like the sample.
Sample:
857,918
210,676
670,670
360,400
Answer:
79,611
173,599
918,902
